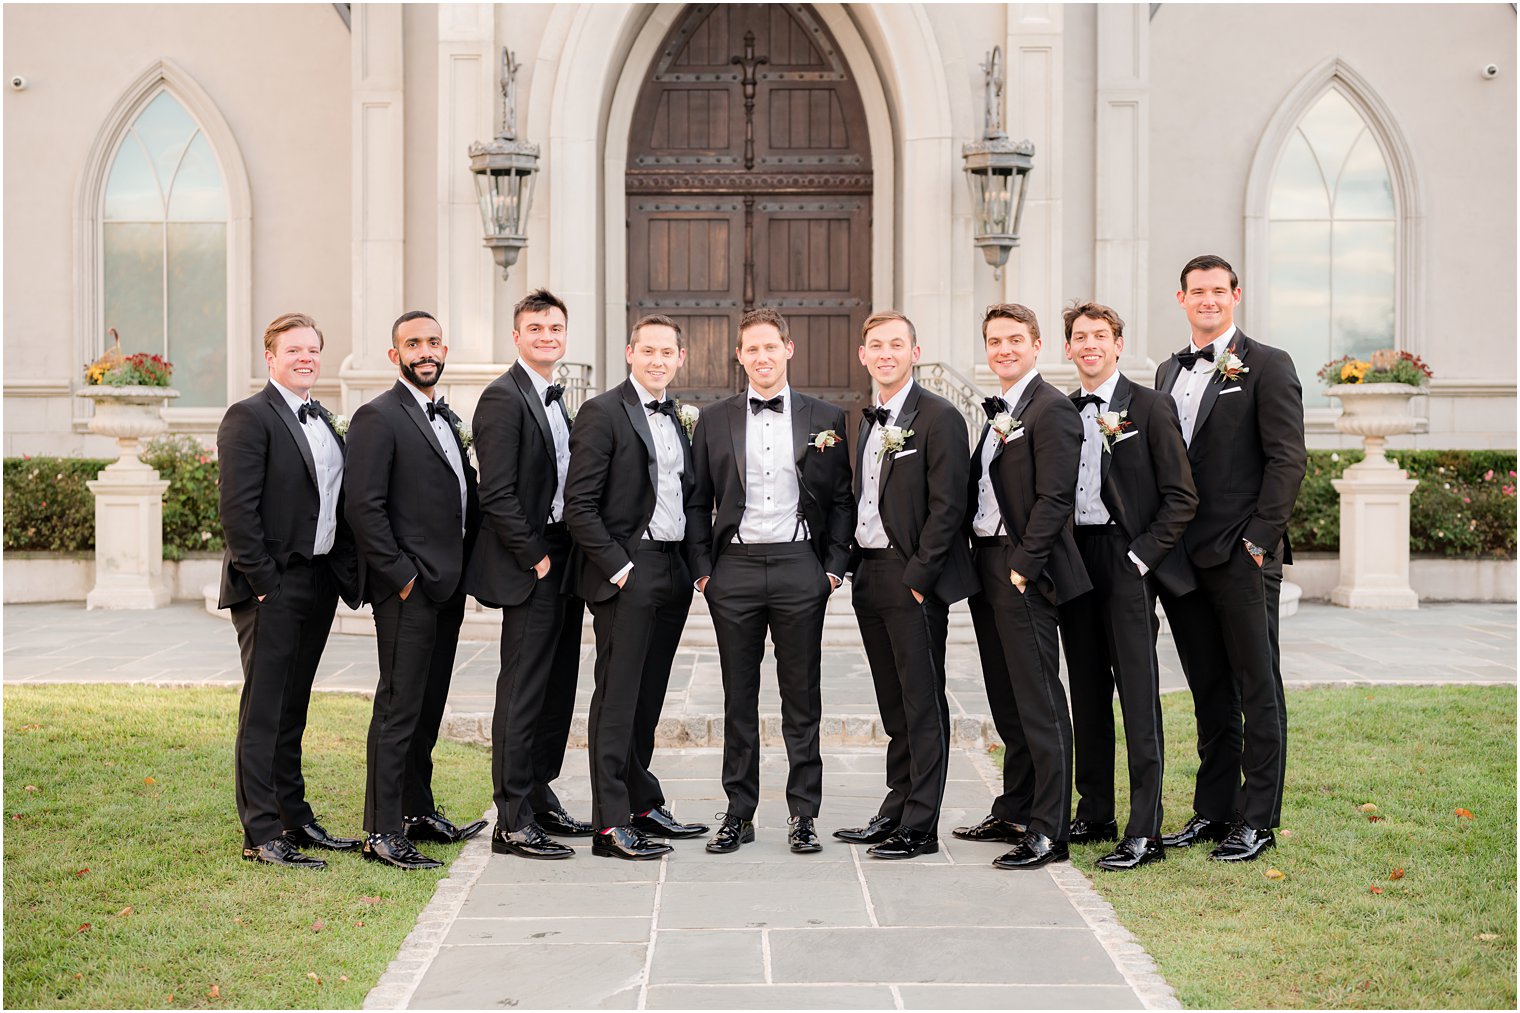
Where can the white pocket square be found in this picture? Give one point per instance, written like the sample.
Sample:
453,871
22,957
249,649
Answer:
1230,390
1017,434
1124,436
905,453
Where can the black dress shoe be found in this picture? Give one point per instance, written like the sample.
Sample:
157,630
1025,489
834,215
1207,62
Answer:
626,842
312,835
658,822
1083,832
281,852
562,824
993,828
906,842
874,832
436,827
731,834
804,836
529,842
1195,830
394,849
1033,851
1132,853
1243,844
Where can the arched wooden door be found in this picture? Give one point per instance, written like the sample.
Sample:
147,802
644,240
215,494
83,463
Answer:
749,184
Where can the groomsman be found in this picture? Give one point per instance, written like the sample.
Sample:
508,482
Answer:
1134,497
411,501
628,503
520,562
1241,408
911,564
774,464
289,555
1019,506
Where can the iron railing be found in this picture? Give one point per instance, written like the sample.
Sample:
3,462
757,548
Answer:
576,376
954,386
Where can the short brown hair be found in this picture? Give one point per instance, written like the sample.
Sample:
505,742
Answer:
1207,262
537,301
289,322
1092,311
885,317
657,320
1012,311
764,315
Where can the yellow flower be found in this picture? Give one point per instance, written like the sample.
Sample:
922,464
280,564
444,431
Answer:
1352,372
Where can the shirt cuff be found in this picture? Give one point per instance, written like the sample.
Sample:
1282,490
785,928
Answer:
835,578
619,575
1140,563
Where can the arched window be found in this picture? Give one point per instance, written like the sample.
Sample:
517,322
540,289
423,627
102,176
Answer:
164,231
1333,242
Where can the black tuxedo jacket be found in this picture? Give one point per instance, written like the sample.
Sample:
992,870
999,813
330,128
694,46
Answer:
919,495
823,479
403,500
1248,454
610,489
269,500
515,449
1034,477
1148,483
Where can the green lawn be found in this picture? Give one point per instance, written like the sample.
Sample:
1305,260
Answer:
124,882
1343,927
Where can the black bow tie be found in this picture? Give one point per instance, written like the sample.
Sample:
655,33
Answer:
1083,400
994,406
553,393
665,407
877,414
310,410
756,406
437,408
1186,358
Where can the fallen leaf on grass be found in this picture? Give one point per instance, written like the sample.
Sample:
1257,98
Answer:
168,998
358,925
1368,807
1377,889
124,912
369,900
1464,814
318,925
78,976
81,872
313,976
1275,874
15,816
1374,818
342,977
149,780
1285,833
237,921
215,993
1487,937
83,928
1396,874
30,787
1364,985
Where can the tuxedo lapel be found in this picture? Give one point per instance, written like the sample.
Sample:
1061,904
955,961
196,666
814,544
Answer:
802,427
535,405
1166,376
412,410
738,431
1215,384
863,434
903,421
640,420
1123,391
284,414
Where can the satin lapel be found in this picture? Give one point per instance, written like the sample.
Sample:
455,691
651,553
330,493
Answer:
1018,410
976,455
863,434
903,421
412,410
535,405
640,420
1167,375
802,426
1242,345
1123,394
282,411
738,430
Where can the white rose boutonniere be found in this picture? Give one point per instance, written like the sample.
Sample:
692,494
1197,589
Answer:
893,439
1004,425
466,434
339,424
1111,425
1228,366
824,440
689,414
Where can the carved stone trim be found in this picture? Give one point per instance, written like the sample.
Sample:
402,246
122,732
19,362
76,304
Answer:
649,181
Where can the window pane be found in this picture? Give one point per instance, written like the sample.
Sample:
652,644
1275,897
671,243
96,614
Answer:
131,190
198,312
1365,189
197,194
1298,189
1363,293
1299,311
165,129
134,285
1332,127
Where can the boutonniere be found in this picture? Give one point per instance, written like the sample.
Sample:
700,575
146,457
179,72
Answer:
339,424
1228,366
689,414
466,435
1111,425
1004,425
893,439
824,440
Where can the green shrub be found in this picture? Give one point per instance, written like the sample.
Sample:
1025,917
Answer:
192,520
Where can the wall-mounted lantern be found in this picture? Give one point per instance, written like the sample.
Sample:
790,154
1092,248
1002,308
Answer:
997,171
505,169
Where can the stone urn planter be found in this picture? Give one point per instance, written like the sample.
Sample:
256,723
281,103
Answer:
1375,411
129,500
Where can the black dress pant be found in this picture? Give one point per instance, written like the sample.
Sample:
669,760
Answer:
416,640
637,633
1224,638
281,641
1109,635
535,692
905,646
1017,638
781,587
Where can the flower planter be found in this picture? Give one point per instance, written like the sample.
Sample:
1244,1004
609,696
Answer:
1375,411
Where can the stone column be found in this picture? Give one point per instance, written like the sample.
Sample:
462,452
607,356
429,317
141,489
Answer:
1375,537
129,537
1122,166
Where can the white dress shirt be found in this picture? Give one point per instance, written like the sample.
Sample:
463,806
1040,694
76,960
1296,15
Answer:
1090,508
669,521
329,461
988,520
560,429
443,430
869,532
770,475
1187,390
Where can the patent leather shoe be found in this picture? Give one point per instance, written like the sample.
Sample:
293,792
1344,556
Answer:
803,838
906,842
1132,853
626,842
1195,830
313,835
528,842
562,824
281,852
1085,832
993,828
1243,844
658,822
395,849
874,832
435,826
1033,851
731,834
